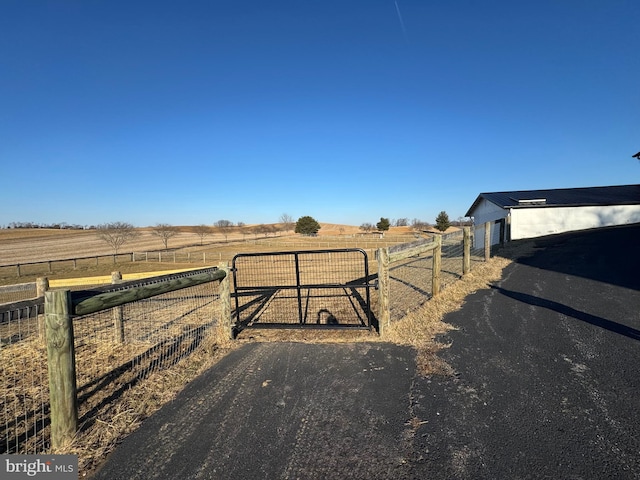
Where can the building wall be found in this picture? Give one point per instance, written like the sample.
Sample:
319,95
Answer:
538,221
488,212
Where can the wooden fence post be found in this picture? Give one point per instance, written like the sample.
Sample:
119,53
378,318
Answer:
61,365
225,300
118,312
384,312
437,266
42,285
487,241
466,250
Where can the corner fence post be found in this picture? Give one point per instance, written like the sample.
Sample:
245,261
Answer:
466,250
61,364
437,266
384,313
487,241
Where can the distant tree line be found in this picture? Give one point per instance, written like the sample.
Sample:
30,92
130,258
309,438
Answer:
61,225
442,223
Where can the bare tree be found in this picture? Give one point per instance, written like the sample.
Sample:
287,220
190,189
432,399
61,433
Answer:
287,222
419,225
367,227
116,234
202,231
165,232
225,227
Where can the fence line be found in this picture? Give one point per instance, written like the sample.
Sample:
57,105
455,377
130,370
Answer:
179,255
411,273
98,346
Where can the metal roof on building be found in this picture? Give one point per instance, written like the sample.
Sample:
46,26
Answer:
563,197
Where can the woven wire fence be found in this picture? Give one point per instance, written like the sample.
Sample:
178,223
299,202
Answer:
411,279
116,351
68,264
18,292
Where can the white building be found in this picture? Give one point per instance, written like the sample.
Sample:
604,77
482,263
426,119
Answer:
534,213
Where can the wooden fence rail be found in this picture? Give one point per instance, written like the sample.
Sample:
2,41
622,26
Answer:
61,305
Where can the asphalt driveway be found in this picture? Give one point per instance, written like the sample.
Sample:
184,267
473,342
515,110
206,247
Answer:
547,385
548,369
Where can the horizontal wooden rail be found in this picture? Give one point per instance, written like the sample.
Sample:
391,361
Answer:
412,252
59,308
103,301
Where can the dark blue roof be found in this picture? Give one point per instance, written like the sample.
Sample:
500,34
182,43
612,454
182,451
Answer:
563,197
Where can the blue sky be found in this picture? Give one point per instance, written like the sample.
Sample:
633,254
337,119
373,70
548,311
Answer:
191,112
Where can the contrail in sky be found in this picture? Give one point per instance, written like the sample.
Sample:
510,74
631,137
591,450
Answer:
404,30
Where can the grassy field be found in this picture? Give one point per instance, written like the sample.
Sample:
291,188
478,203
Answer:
23,246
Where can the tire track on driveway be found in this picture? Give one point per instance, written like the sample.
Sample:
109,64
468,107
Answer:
281,410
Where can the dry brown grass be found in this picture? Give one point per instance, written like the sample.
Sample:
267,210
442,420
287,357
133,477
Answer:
111,425
25,246
420,328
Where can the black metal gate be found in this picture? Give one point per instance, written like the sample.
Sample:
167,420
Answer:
302,289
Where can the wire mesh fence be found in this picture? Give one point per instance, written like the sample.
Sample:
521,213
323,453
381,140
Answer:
411,278
116,351
18,292
67,264
24,403
326,287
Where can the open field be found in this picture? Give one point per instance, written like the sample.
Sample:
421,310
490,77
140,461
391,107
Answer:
23,246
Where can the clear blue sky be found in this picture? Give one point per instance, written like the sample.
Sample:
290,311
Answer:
346,110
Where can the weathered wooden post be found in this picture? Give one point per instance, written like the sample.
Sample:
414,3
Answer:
118,312
384,312
42,285
225,300
437,266
466,250
487,241
61,364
